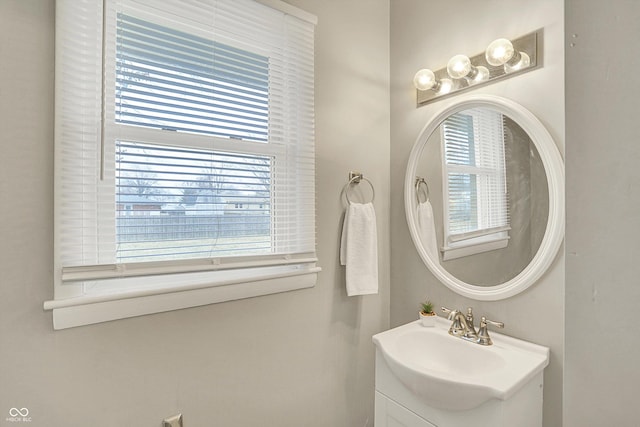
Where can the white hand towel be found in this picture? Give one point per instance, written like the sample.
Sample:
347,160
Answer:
427,229
359,249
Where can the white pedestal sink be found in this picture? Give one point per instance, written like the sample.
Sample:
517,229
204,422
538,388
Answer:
448,381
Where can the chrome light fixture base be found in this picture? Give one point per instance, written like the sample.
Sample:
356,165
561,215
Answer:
529,45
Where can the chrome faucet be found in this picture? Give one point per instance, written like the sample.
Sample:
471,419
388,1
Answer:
462,326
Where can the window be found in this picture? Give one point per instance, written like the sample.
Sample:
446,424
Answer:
184,155
476,209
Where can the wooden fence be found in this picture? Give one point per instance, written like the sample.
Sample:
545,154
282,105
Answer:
188,227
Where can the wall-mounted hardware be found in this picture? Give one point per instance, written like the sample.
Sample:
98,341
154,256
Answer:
174,421
421,184
356,177
503,58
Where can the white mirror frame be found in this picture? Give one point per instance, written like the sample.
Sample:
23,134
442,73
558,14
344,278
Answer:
554,169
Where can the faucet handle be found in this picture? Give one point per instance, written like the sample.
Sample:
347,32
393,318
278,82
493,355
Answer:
458,329
491,322
449,312
483,332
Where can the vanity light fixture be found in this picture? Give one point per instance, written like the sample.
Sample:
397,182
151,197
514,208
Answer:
503,58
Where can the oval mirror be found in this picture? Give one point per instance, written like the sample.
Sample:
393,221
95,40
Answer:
484,197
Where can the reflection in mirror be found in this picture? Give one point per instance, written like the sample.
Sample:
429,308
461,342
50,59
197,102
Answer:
489,195
476,213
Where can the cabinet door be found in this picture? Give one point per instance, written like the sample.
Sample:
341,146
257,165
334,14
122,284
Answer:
391,414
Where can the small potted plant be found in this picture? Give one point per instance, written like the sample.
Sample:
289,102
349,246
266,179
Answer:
427,315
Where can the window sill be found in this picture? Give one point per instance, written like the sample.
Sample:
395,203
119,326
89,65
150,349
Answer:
96,308
480,244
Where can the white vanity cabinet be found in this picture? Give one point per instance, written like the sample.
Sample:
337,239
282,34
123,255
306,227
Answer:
391,414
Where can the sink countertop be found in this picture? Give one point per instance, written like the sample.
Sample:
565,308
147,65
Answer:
452,373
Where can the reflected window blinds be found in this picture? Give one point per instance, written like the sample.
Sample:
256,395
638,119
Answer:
475,176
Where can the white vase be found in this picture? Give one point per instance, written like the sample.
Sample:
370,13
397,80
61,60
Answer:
428,321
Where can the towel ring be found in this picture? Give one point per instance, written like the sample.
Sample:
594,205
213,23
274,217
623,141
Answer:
355,178
420,180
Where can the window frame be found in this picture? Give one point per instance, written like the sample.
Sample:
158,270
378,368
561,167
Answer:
109,295
457,245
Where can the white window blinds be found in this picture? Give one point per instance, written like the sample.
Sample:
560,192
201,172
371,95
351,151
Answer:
173,80
184,139
475,177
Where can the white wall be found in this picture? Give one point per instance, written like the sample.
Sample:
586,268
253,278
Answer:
603,207
425,34
302,358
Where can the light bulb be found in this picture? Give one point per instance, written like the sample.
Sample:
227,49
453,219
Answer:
424,79
499,52
482,75
444,86
522,61
459,66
